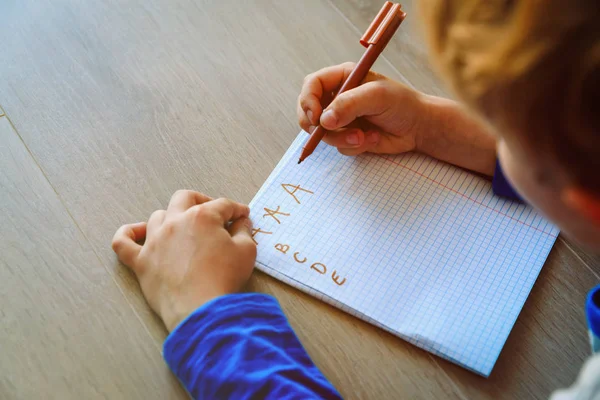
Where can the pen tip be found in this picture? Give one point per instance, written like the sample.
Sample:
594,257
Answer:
299,161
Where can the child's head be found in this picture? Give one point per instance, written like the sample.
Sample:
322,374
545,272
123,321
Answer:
531,69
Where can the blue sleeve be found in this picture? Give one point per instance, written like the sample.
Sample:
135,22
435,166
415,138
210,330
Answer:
241,346
501,186
592,310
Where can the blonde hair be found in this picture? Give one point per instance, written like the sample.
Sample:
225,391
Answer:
529,66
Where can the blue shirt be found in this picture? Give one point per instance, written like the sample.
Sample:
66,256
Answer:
501,186
241,346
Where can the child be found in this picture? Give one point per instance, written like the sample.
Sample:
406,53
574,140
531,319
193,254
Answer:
529,76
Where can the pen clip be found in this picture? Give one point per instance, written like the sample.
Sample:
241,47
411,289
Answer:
382,23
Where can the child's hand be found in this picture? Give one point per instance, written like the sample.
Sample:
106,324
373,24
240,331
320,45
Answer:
191,253
380,116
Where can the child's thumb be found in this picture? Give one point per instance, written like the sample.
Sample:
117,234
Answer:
241,231
124,243
365,100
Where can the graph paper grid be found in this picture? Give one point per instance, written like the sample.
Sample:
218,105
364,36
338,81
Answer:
427,251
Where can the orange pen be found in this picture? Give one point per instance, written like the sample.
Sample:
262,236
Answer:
375,39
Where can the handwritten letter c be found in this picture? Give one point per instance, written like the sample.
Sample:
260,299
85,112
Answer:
296,258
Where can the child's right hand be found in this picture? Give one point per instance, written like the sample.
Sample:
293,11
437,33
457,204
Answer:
380,116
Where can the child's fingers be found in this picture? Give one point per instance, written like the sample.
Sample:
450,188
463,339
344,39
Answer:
314,88
156,219
328,79
351,152
226,209
318,90
124,243
308,109
365,100
185,199
241,226
371,142
241,233
347,138
303,120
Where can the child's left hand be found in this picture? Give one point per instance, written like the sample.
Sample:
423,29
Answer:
191,253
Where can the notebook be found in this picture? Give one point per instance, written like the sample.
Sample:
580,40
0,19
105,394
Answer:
408,243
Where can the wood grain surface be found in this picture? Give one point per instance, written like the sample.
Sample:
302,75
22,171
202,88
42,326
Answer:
66,331
119,104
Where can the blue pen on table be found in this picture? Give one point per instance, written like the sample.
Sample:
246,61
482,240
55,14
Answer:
592,309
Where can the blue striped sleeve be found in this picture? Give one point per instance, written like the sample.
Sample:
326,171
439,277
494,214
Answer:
501,186
241,346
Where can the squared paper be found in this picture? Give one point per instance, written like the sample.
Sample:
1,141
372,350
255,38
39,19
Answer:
427,251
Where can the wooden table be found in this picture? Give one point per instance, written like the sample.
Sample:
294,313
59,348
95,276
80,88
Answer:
113,105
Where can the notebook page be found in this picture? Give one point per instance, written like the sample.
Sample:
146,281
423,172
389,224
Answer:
415,246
